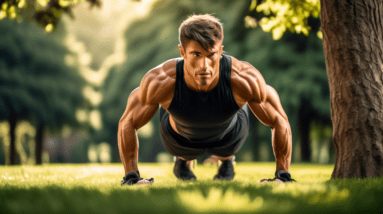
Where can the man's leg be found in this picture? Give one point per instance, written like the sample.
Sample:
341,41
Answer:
182,169
226,154
226,170
172,142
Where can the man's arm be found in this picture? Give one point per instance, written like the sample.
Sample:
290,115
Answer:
156,88
270,112
136,115
264,102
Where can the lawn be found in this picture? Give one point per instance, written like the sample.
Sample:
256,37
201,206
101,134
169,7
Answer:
95,188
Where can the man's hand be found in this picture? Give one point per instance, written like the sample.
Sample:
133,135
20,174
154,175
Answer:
280,177
132,178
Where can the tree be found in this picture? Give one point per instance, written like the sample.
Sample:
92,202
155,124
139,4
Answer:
353,46
35,82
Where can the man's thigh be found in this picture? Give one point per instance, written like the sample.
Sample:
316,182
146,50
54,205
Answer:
173,142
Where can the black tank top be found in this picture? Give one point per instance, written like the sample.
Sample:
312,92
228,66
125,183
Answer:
204,116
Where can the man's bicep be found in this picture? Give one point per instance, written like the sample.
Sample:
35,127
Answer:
270,110
136,113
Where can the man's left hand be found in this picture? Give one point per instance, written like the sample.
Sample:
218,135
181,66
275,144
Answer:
280,177
132,178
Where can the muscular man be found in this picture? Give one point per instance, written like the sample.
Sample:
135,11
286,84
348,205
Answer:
204,99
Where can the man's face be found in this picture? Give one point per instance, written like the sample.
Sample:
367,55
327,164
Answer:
201,64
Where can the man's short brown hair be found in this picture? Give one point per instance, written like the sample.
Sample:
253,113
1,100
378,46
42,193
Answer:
205,29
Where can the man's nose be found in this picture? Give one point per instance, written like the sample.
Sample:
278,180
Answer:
204,64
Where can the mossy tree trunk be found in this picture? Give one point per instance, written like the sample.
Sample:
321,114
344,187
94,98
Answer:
353,47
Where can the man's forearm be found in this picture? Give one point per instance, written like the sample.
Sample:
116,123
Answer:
282,145
128,147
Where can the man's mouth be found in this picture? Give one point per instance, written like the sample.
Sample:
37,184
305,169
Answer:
204,74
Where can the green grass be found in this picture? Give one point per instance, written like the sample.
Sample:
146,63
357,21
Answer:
95,188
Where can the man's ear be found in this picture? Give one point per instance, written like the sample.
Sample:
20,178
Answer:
222,49
182,51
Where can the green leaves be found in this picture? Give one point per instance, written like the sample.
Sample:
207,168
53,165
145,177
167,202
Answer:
36,84
282,15
47,13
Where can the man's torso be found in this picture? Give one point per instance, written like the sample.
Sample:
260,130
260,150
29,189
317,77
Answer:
164,83
204,115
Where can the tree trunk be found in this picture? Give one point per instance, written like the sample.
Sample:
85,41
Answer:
39,144
304,119
353,47
12,149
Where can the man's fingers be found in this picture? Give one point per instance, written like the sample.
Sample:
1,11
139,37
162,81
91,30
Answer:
272,180
145,181
132,178
142,182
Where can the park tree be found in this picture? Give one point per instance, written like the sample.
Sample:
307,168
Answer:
353,47
35,83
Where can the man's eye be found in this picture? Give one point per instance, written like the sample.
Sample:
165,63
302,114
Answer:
212,54
196,54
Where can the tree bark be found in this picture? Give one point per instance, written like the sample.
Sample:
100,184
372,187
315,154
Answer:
353,47
39,144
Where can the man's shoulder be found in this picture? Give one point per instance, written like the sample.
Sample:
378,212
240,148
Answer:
166,69
242,68
163,72
159,79
246,80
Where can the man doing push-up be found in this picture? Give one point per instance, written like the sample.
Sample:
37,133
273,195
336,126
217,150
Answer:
204,97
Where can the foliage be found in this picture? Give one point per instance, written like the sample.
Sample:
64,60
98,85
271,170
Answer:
282,15
96,189
36,83
294,66
47,13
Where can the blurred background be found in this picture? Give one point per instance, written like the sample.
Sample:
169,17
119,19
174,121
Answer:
62,93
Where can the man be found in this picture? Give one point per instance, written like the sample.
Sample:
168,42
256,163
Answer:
204,98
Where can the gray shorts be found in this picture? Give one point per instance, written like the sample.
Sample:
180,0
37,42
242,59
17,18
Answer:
180,146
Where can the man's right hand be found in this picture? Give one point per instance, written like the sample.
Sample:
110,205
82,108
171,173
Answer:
132,178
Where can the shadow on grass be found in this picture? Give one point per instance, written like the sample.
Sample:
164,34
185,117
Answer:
334,196
95,189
